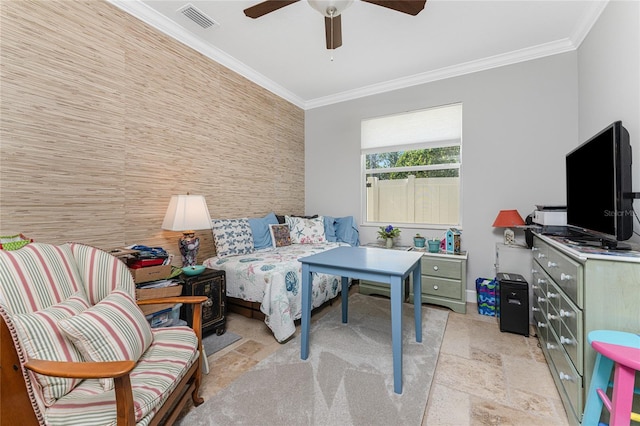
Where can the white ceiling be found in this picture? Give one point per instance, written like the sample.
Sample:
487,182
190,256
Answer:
284,51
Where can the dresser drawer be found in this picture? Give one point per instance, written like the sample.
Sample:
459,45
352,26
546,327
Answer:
539,279
444,268
539,251
443,287
567,377
565,272
571,316
571,346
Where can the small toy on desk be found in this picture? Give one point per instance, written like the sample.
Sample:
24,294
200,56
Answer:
453,240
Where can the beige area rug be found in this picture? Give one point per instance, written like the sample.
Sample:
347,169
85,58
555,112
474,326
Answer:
347,380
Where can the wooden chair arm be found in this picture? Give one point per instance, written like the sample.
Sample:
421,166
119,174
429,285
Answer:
81,370
196,319
117,370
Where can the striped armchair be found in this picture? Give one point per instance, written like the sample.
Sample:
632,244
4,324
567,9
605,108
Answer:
77,350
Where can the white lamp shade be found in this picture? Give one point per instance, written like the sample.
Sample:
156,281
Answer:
186,213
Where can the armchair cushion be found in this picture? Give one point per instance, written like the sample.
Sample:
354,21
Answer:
115,329
43,340
157,374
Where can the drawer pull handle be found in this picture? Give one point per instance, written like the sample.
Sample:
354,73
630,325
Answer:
541,281
435,287
534,271
542,325
552,295
435,267
565,277
534,249
541,299
565,377
552,317
567,314
551,346
535,287
208,303
567,341
541,256
534,309
551,264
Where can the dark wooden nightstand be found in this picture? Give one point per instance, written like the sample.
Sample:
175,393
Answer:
210,283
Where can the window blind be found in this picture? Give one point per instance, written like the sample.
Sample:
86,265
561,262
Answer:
417,129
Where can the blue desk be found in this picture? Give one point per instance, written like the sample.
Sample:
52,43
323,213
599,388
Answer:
374,264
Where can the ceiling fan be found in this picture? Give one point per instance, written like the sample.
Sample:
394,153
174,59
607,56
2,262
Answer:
332,9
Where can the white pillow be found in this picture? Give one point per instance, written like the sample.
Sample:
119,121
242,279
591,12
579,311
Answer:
306,231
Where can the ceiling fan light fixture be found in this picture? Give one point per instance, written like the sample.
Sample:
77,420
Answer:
329,8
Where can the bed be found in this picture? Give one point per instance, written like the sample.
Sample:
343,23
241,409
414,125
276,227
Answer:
266,271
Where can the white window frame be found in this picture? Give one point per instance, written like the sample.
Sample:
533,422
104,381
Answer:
439,139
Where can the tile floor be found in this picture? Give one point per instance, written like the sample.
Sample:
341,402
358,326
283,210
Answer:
483,377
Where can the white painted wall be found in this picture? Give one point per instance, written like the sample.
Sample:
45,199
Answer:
519,121
609,79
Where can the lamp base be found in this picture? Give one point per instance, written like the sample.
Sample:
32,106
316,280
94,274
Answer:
509,237
189,245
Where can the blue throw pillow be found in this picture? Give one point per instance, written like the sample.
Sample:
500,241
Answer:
330,229
260,230
347,230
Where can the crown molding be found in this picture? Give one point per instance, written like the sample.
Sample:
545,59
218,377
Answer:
157,20
591,17
484,64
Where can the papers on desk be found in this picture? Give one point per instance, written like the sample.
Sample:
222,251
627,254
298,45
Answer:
159,284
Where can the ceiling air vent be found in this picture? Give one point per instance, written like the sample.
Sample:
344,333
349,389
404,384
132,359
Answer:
197,16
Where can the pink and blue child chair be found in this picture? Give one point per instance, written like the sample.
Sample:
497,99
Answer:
619,352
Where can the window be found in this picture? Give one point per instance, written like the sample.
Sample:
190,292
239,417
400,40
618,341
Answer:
411,165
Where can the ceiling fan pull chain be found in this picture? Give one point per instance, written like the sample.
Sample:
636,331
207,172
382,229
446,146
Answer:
331,11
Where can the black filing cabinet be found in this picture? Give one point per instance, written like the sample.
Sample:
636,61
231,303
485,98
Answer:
212,284
513,303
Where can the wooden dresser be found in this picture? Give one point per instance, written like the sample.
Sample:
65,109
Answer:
575,291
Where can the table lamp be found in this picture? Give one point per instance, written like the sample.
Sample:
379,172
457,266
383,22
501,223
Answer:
187,213
508,219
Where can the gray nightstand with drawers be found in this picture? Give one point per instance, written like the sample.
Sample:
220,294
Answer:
444,281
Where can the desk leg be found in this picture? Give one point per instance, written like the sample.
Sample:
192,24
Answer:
417,301
307,279
396,331
345,299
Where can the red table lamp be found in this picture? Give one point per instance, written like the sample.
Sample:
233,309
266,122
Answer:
508,219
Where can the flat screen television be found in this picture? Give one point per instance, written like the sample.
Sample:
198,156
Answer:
599,202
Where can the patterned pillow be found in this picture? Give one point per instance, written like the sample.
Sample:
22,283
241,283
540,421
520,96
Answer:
280,235
232,236
43,340
306,231
115,329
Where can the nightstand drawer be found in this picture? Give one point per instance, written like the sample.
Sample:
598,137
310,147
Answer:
443,287
443,268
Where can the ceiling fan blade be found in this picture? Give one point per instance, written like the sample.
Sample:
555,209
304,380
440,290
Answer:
412,7
334,38
265,7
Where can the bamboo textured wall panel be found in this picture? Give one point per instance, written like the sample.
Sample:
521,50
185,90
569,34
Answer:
103,118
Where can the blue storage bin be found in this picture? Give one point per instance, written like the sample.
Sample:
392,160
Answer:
486,290
165,318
